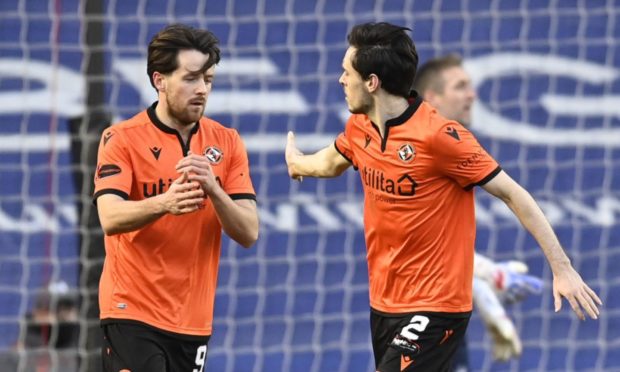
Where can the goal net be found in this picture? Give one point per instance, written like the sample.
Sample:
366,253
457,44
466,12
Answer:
546,76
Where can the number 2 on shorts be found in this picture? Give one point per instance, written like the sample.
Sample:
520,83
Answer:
418,324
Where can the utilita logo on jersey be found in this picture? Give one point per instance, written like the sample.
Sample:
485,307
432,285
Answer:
376,179
150,189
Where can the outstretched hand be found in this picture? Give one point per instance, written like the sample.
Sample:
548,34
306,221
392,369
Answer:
568,284
291,153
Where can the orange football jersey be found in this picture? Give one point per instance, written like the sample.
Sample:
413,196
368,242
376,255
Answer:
165,273
418,207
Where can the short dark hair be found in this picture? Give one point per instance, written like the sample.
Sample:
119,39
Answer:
166,44
428,76
387,51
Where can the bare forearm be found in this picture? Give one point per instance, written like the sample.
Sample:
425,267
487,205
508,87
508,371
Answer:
240,223
309,166
324,164
566,281
533,219
118,215
121,216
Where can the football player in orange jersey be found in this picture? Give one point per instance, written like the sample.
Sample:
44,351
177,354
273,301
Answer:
418,172
168,181
444,83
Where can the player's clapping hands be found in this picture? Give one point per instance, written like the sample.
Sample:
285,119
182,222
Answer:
199,170
183,196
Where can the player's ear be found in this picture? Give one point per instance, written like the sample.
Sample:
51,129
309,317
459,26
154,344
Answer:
373,83
160,81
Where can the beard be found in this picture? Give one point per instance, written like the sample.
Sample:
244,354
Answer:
362,106
361,109
184,114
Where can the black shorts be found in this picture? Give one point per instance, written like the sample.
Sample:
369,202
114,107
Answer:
420,341
137,347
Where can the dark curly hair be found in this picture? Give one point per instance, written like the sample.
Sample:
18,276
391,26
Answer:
166,44
387,51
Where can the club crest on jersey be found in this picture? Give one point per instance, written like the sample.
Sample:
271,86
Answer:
213,154
406,153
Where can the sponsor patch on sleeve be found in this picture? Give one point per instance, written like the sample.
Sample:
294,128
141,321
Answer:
107,170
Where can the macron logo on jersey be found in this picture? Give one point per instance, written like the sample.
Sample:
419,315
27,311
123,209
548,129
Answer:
106,138
155,151
367,140
453,133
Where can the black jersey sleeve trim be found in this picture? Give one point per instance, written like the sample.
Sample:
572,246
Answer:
486,179
242,196
120,193
344,156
